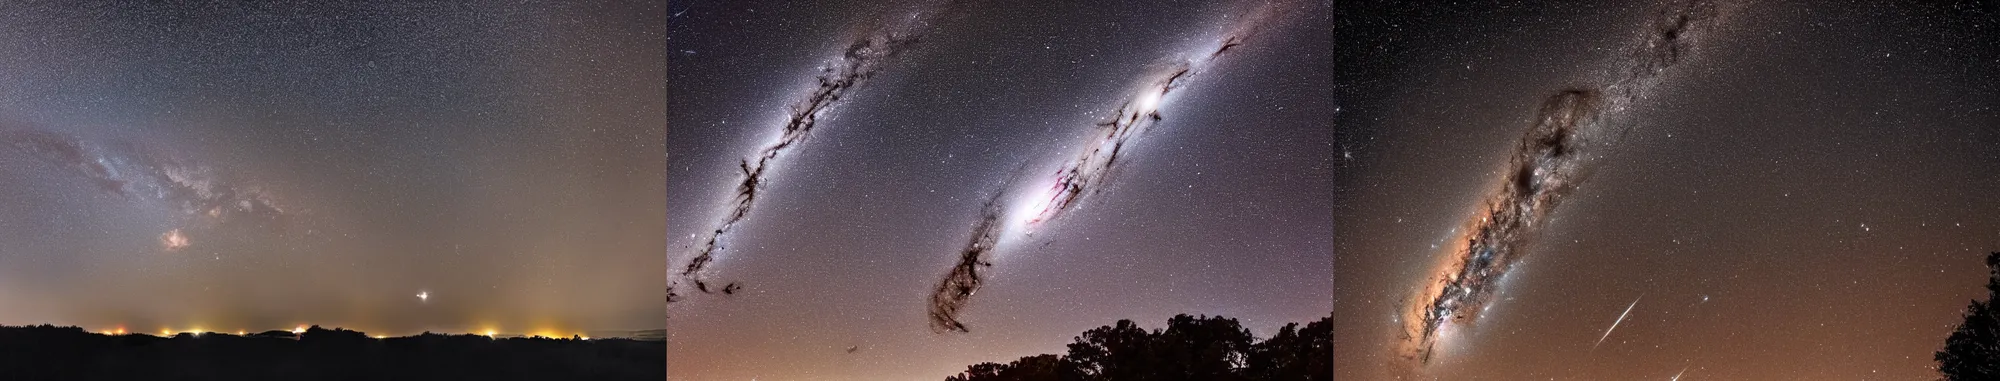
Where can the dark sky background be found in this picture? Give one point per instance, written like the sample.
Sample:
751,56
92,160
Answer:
1809,195
228,166
1223,208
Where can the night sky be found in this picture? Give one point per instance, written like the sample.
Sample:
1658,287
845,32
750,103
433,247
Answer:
1223,206
1806,192
230,166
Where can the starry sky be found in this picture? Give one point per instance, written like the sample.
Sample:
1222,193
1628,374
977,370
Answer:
226,166
1807,194
1223,207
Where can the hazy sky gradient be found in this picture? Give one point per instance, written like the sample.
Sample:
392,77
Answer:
506,157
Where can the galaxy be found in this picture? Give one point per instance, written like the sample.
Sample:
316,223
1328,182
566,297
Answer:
1005,178
957,287
387,168
861,59
126,172
1083,175
1665,189
1547,165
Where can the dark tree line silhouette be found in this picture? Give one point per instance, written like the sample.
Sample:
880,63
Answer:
1973,350
1189,348
69,353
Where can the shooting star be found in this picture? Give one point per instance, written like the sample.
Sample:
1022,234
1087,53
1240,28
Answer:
1065,187
862,59
1677,376
1548,163
1614,323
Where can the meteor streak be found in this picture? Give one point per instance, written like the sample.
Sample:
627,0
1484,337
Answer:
1548,163
1081,176
861,60
1614,323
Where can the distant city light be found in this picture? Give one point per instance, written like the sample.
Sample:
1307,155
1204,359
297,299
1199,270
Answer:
299,330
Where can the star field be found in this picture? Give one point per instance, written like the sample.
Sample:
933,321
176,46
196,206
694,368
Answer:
1219,208
1805,194
261,166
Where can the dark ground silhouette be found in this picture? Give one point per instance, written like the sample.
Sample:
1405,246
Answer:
1973,350
69,353
1189,348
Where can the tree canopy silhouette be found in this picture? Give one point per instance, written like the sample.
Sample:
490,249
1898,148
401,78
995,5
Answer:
1189,348
1973,351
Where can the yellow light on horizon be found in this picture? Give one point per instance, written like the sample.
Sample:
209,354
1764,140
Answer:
489,333
299,330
